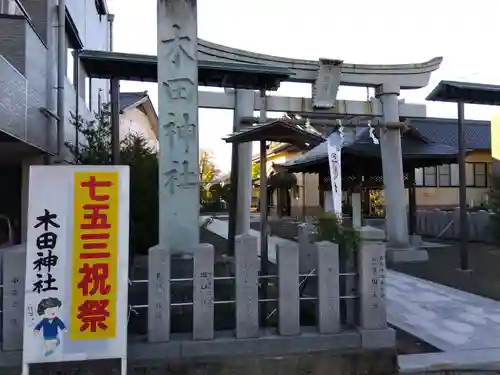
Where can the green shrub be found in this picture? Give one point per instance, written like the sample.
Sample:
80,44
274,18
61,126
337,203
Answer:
330,227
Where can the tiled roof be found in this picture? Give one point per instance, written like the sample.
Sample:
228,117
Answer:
413,147
129,98
445,131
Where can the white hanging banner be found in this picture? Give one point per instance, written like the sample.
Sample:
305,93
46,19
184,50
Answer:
334,144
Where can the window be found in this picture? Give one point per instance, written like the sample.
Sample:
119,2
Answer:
444,175
476,175
454,175
469,174
426,176
480,174
419,177
430,176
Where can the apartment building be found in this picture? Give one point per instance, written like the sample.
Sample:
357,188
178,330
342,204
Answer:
31,60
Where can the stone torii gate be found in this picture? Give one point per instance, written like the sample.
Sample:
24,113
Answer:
179,53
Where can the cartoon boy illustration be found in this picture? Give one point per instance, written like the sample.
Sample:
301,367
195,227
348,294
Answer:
48,308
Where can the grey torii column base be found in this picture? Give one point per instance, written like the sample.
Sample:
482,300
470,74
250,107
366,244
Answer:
411,254
377,338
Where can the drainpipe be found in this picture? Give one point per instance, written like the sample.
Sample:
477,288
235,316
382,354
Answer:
61,73
111,19
76,80
50,86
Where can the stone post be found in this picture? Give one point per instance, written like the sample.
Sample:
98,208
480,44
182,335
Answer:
328,287
158,295
247,282
244,107
372,304
288,301
307,250
392,166
203,292
356,210
13,263
178,130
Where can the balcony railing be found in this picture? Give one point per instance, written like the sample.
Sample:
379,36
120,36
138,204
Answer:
13,7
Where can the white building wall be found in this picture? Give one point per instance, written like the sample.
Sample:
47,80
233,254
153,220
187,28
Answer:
135,121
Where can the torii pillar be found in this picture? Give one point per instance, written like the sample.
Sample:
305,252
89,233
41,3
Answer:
392,167
396,223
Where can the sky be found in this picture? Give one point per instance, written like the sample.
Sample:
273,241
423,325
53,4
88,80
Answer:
356,31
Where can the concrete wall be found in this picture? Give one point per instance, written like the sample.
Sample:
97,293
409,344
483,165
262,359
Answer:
380,362
134,121
446,224
448,196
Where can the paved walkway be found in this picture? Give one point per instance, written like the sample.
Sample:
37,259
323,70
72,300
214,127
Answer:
446,318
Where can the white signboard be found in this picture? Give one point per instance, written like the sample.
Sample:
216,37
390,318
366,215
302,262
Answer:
76,303
334,144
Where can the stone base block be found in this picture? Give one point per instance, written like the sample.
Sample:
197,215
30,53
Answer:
370,233
415,240
407,255
378,338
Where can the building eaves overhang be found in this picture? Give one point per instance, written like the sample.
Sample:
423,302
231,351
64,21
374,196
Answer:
276,131
465,92
125,66
102,7
72,32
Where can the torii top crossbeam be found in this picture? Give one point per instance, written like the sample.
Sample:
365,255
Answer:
101,64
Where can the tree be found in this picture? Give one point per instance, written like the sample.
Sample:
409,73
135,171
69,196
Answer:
207,165
494,207
255,171
207,173
220,192
94,148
